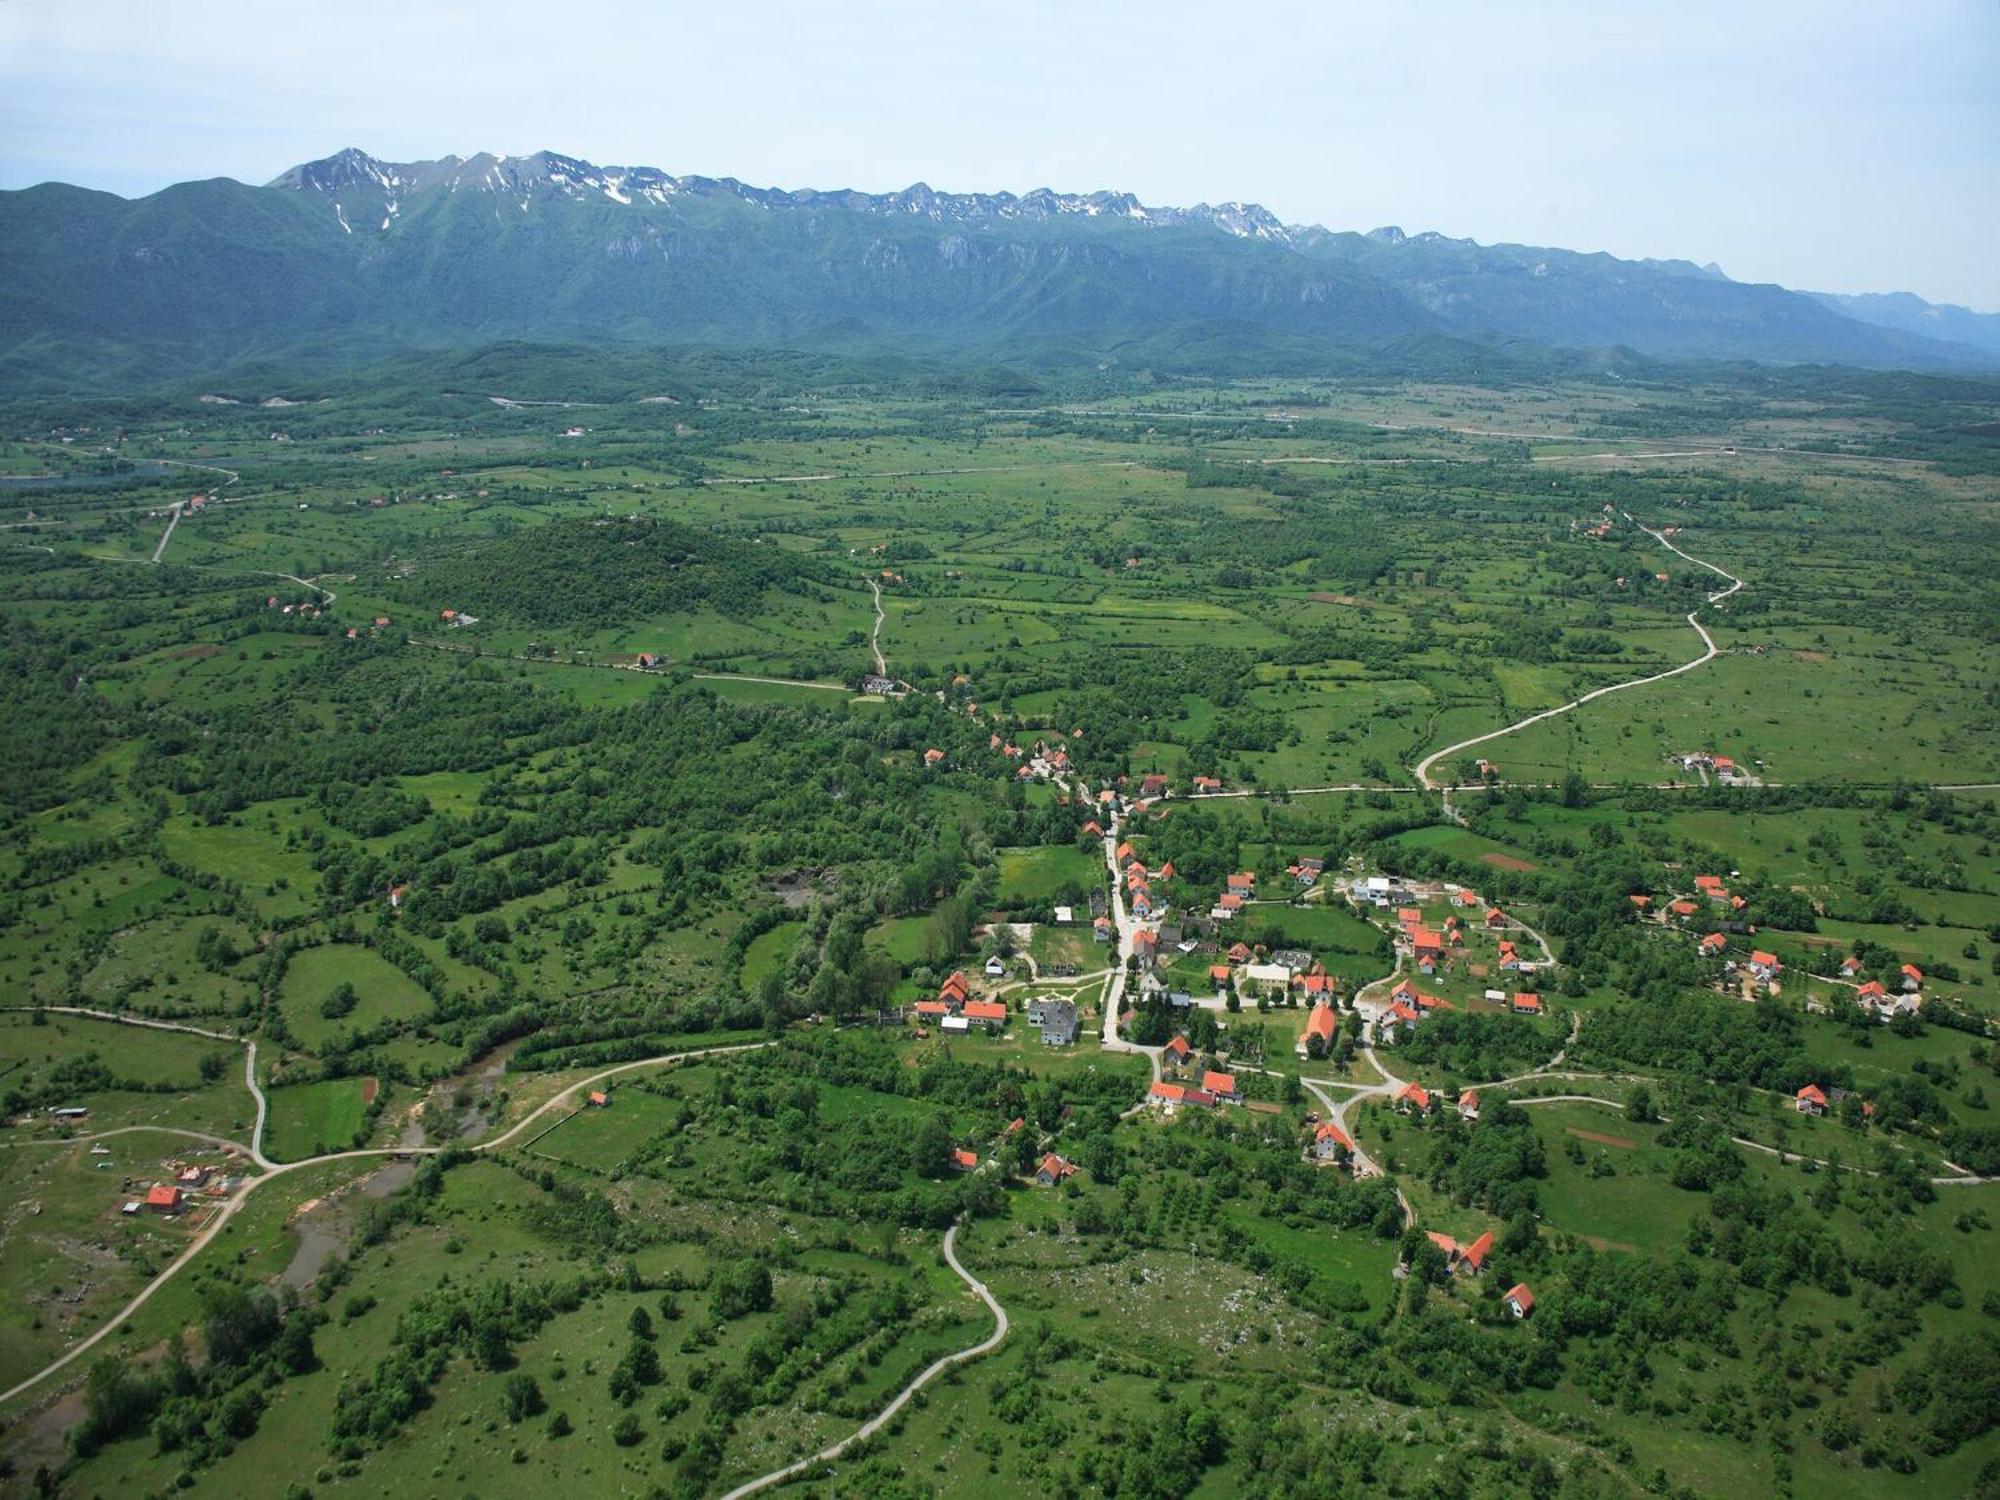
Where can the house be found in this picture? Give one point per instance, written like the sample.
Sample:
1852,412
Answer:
1409,917
1850,966
1056,1018
1331,1143
1468,1105
1173,1096
1222,1086
1065,915
1152,785
1488,769
1239,953
1145,944
1713,944
958,1024
1166,871
1322,1023
963,1160
1812,1100
1765,965
1100,929
1053,1169
933,757
1683,908
1519,1300
988,1014
1495,918
163,1199
599,1099
1640,903
955,990
996,967
1094,829
1712,887
1243,884
1527,1005
1398,1017
1272,977
1412,1098
1176,1052
1320,986
1125,853
1142,902
1465,898
396,893
1227,906
1509,957
1473,1256
1913,979
1872,994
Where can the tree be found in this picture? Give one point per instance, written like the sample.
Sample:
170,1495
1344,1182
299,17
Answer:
1639,1106
521,1396
931,1146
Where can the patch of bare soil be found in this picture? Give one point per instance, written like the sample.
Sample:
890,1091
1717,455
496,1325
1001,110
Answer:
1623,1143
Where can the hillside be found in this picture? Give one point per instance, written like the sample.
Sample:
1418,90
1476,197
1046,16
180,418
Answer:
349,258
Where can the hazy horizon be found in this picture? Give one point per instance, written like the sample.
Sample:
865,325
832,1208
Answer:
1842,159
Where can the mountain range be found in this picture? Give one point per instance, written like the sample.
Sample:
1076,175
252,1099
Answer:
351,258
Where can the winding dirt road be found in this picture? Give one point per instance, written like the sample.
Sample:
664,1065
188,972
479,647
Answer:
1709,652
930,1372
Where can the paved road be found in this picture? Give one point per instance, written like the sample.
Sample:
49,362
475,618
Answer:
930,1372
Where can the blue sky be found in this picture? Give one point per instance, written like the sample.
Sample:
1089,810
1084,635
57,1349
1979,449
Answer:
1840,147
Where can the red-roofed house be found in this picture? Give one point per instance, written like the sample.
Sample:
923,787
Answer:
1222,1085
1413,1097
163,1198
1641,902
1219,973
1125,853
1409,916
1228,906
1322,1024
955,989
1913,978
986,1013
1244,883
1153,784
1527,1005
1177,1050
1465,898
1850,966
1473,1256
1331,1143
1519,1300
1468,1105
1812,1100
1053,1169
1166,871
1204,784
1683,908
1495,918
932,757
1871,993
1093,829
1765,965
599,1099
1399,1016
1713,944
963,1160
1239,953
